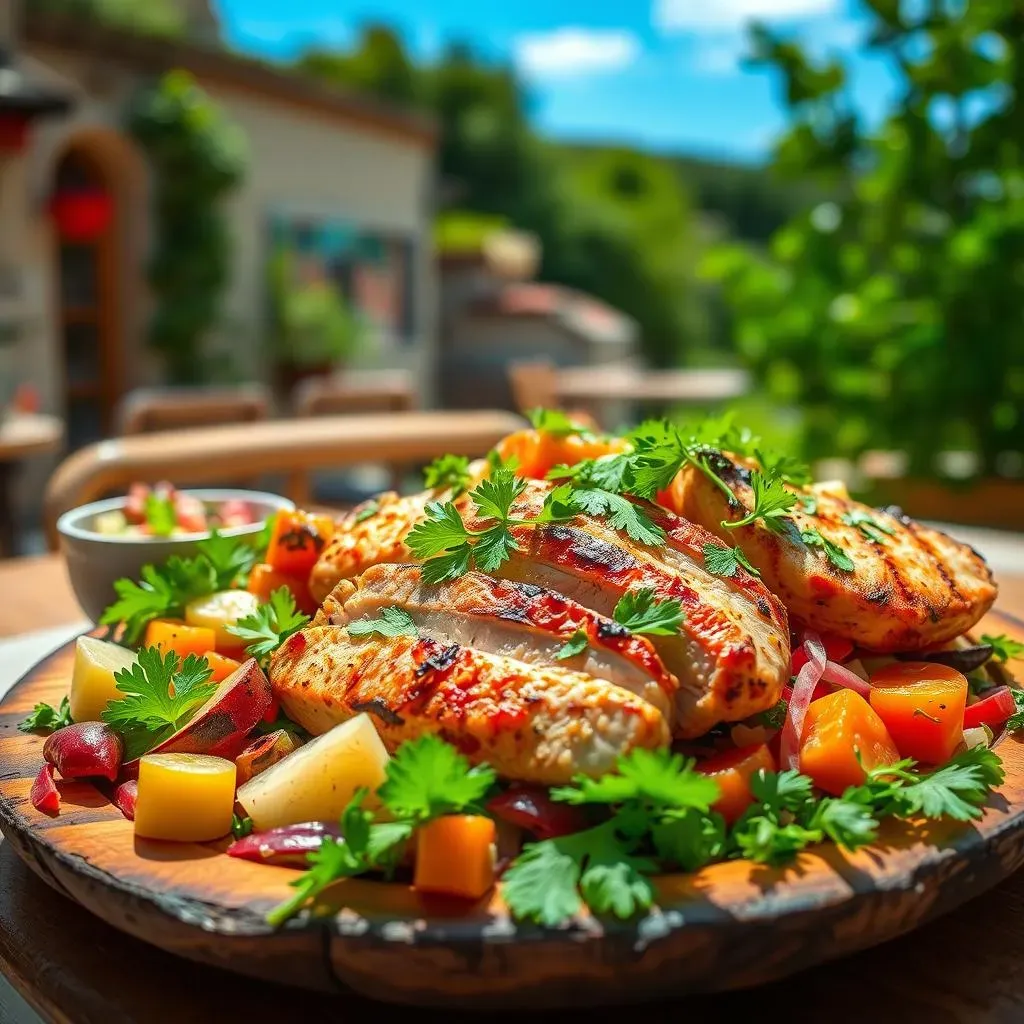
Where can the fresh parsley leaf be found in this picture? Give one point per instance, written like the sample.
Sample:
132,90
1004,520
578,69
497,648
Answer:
787,468
44,717
556,423
868,525
162,693
846,822
576,644
450,471
161,517
641,611
367,511
496,462
442,530
545,882
269,625
392,621
428,777
833,552
138,603
1003,648
621,513
765,839
689,839
1016,720
771,503
241,826
496,494
230,558
956,790
722,561
656,778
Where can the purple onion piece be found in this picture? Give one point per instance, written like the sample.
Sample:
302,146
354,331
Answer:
287,846
965,659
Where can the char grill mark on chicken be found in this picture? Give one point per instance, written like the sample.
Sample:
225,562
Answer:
530,722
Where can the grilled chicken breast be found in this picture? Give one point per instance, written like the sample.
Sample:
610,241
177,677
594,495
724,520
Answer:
514,620
529,722
731,656
910,586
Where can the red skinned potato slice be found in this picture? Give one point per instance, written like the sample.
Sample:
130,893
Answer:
85,750
222,725
44,794
125,796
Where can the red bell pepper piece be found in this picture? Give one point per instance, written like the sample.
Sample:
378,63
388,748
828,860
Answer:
992,710
837,648
44,793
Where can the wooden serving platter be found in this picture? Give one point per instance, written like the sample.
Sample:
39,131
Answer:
728,926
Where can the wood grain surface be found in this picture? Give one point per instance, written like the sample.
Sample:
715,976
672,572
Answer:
728,926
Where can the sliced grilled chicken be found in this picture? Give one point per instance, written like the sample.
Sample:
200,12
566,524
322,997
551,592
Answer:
910,585
732,654
529,722
514,620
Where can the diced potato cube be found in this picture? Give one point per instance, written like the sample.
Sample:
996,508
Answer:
218,611
188,798
92,679
318,780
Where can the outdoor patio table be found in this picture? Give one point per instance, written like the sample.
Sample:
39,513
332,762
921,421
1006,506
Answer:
22,435
585,385
71,968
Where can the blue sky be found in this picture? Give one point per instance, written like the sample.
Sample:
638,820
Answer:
663,74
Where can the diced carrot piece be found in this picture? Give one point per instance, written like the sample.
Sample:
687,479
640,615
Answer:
455,856
221,666
732,771
922,705
169,635
296,542
537,452
265,579
837,728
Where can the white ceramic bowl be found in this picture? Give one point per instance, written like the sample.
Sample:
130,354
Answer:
95,560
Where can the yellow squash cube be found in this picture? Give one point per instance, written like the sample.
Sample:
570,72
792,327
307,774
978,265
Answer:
218,611
188,798
92,679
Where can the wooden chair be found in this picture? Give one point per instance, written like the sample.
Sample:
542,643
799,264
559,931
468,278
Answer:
357,391
146,410
534,385
209,455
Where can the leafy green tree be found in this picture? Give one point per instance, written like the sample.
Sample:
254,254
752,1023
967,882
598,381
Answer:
892,313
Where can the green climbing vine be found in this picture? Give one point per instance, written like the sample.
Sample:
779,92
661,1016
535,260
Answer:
197,157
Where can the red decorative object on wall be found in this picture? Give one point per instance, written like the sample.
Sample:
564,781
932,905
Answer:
13,132
81,215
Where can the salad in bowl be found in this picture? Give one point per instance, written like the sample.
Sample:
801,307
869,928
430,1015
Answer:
558,672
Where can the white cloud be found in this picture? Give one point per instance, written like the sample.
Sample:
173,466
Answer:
730,15
569,52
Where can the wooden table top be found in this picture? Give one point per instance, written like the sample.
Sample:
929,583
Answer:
71,967
594,383
23,434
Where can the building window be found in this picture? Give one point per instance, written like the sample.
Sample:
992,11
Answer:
373,269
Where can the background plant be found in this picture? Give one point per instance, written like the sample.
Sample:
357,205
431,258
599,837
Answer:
891,312
197,157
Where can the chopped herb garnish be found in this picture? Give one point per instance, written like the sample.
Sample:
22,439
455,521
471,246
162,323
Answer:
833,552
162,693
1016,720
641,611
808,504
367,511
1003,648
391,622
556,423
775,716
576,644
868,525
269,625
722,561
448,471
161,516
241,826
771,503
43,717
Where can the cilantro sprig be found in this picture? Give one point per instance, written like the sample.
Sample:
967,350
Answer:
269,625
836,555
220,563
45,718
723,561
162,693
448,471
1003,648
641,611
772,503
425,779
575,645
868,525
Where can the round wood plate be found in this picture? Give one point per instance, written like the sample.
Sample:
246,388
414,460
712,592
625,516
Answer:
728,926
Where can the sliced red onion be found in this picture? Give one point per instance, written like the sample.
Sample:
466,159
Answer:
839,675
287,846
803,690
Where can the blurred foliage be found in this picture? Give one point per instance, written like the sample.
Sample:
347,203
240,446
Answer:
617,223
312,324
198,157
460,231
891,313
149,17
